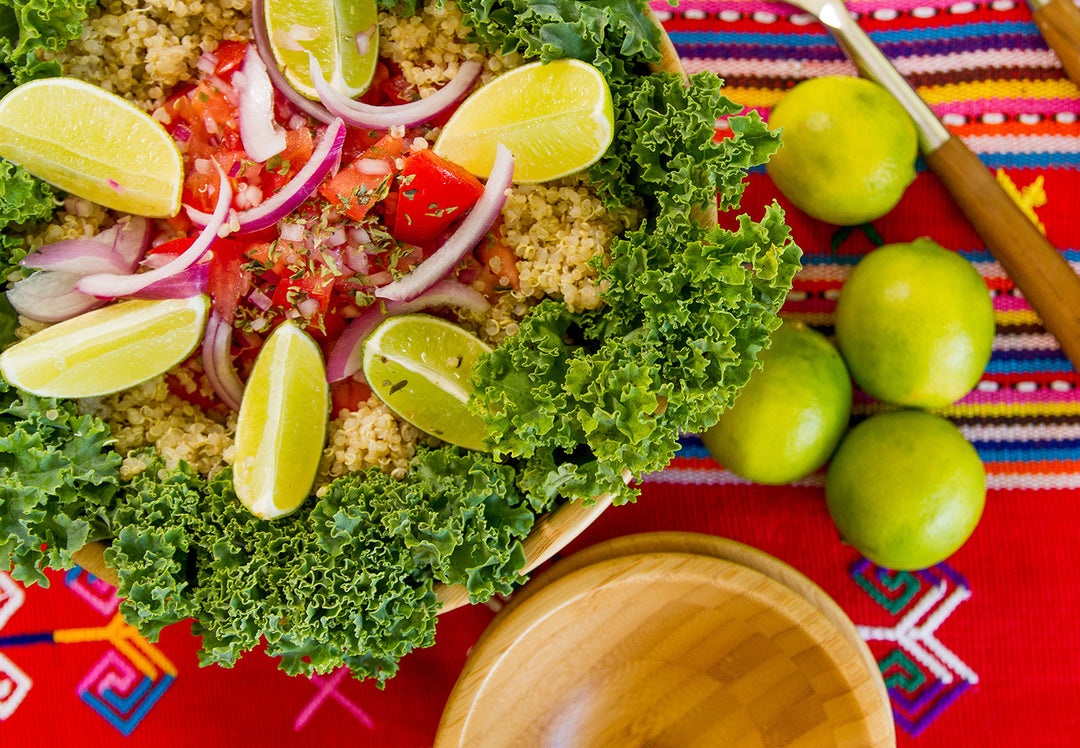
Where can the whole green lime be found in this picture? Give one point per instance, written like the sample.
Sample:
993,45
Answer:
915,323
848,149
788,419
905,489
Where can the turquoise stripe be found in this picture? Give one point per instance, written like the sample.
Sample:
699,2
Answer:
813,38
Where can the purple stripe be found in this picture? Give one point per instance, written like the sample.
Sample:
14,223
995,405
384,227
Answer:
829,52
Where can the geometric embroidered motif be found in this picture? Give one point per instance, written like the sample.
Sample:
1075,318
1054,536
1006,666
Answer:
922,675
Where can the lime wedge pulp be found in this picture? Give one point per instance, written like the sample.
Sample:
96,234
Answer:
556,118
420,365
343,35
107,350
93,144
281,428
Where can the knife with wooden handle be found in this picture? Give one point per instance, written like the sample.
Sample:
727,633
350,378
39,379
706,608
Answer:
1059,23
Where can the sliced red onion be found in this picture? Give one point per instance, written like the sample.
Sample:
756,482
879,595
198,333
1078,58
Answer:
260,134
77,256
323,160
359,114
217,364
50,296
277,78
132,239
117,249
481,218
347,354
185,284
110,285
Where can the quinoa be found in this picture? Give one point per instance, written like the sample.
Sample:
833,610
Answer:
430,46
556,230
371,436
140,49
152,415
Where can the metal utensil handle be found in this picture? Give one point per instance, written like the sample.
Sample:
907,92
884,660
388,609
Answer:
1035,266
1059,23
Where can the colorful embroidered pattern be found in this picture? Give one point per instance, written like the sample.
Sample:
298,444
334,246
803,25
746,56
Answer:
328,689
922,674
126,681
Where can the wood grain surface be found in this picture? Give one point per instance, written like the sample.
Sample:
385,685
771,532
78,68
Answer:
665,649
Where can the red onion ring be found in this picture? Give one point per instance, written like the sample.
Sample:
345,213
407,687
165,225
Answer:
366,116
110,285
347,354
481,218
188,282
77,256
50,296
217,364
117,249
323,160
280,82
260,135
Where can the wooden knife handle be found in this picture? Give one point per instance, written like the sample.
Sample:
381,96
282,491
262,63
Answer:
1035,266
1059,23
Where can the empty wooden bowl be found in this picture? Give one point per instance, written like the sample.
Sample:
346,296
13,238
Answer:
665,649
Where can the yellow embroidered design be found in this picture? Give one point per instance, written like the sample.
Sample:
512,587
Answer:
1029,198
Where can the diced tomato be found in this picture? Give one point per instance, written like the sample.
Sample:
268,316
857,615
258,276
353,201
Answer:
375,95
291,292
357,141
498,263
228,280
433,193
399,91
299,145
366,180
389,209
348,394
173,247
200,191
230,56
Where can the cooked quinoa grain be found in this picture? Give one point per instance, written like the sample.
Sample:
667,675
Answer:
557,230
371,436
151,415
140,49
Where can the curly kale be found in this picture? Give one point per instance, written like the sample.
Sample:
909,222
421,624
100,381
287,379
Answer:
58,474
32,29
348,580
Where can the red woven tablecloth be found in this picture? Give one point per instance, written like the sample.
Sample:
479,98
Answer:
981,650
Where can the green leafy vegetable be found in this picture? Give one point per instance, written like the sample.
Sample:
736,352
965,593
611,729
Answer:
24,201
29,31
58,473
348,581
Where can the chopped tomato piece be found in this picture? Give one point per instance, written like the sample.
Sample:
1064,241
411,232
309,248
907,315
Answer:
173,247
228,280
348,394
366,180
498,263
200,191
433,193
399,91
230,56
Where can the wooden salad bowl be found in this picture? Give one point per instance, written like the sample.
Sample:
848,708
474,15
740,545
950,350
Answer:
669,639
553,531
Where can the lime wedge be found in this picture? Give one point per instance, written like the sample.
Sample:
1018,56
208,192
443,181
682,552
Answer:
108,349
343,36
556,118
93,144
420,366
281,429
